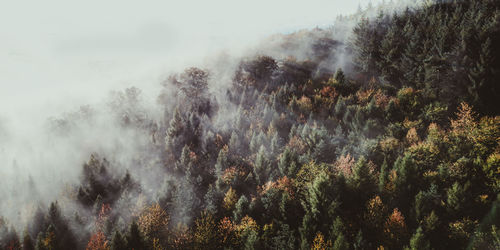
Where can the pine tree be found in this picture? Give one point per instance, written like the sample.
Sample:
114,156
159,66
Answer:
134,237
222,163
261,168
321,204
175,134
341,243
117,241
391,50
27,241
418,241
288,163
241,208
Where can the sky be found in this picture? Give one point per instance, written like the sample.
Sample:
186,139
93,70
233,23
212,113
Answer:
58,55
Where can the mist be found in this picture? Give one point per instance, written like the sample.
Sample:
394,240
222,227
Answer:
104,80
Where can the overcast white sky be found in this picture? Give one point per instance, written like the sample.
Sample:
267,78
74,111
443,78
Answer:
56,55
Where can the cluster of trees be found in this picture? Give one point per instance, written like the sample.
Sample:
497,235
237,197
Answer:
402,152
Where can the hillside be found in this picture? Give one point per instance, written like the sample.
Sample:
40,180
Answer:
384,138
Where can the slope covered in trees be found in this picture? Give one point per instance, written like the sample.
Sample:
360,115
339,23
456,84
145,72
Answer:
399,151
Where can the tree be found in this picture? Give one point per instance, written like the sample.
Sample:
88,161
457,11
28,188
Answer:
319,242
222,162
288,163
27,241
117,241
391,50
362,182
457,198
341,243
153,223
261,168
230,199
395,230
98,242
320,205
241,208
418,241
205,233
193,82
134,237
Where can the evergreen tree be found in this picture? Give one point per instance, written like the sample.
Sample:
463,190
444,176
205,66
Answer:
241,208
134,237
117,241
418,241
27,241
288,163
261,168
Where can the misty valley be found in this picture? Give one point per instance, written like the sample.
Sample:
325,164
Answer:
379,132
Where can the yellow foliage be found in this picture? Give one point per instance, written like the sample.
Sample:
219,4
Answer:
463,228
230,199
319,242
425,153
435,134
206,230
375,212
305,104
389,144
153,222
247,223
465,123
412,136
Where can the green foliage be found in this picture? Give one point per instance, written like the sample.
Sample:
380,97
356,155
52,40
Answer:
418,241
368,157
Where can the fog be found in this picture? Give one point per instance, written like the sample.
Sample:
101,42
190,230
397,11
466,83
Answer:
57,53
56,56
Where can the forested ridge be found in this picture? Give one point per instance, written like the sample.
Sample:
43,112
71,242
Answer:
396,149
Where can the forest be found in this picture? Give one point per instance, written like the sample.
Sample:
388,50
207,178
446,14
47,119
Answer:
398,147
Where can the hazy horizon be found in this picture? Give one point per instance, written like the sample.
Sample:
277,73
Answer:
56,53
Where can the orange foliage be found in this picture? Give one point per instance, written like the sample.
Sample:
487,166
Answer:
319,242
395,226
182,237
98,242
364,96
231,173
283,184
328,91
103,217
226,230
